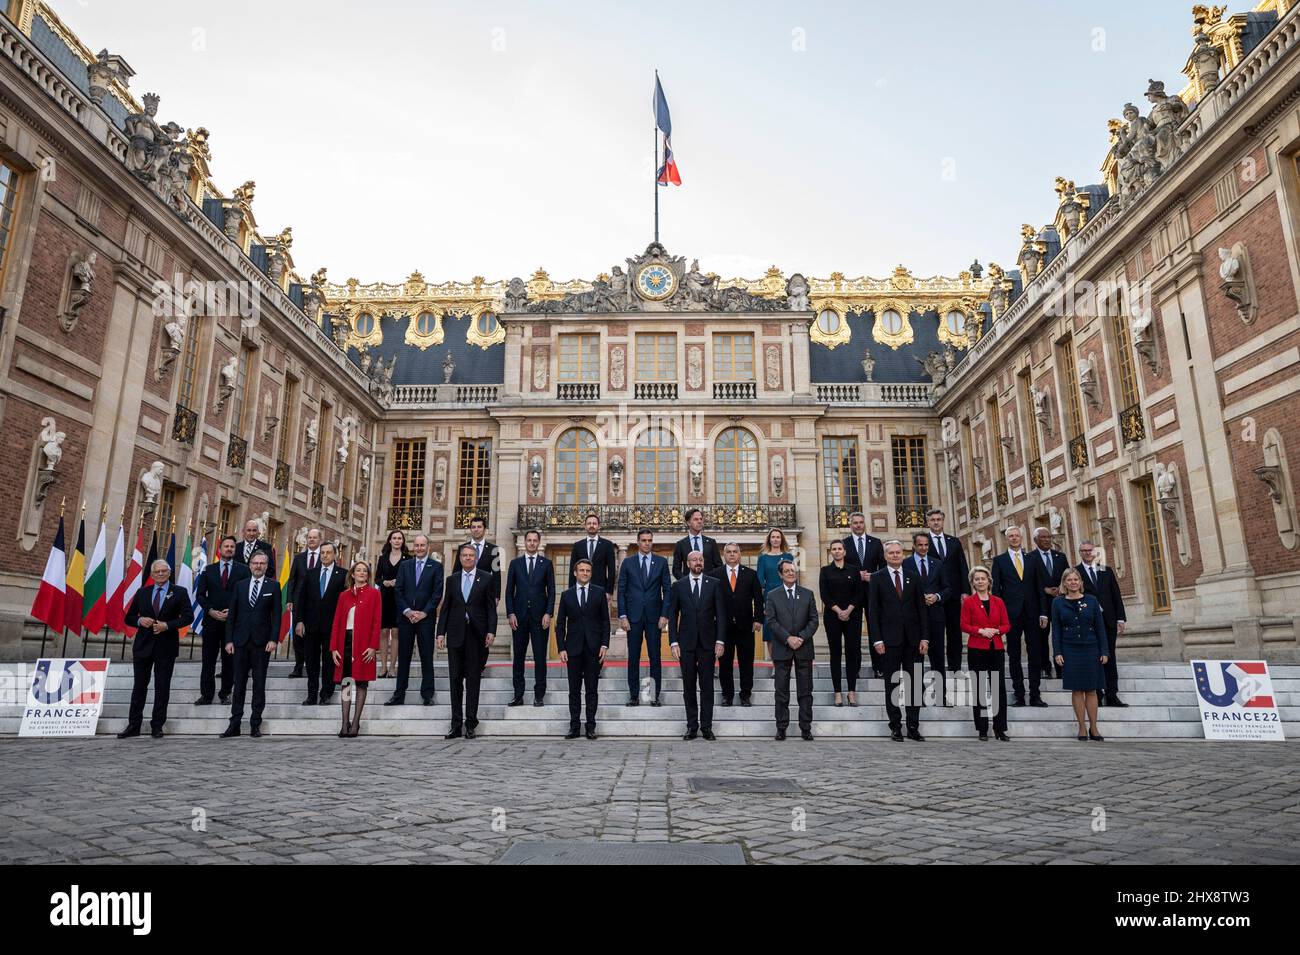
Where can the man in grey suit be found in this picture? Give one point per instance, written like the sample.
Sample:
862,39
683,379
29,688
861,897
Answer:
791,614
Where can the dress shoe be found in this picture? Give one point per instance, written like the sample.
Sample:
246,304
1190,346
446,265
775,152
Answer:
256,732
915,736
807,735
896,736
984,737
354,732
224,699
427,700
1003,738
690,734
469,733
1096,737
454,734
1018,701
780,734
708,734
517,701
726,701
744,701
539,702
656,702
1115,701
1037,701
326,696
310,701
203,701
633,701
395,700
229,731
296,673
572,734
156,734
591,734
343,733
129,732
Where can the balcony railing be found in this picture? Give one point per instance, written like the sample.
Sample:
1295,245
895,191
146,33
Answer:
1036,473
874,393
443,395
237,453
405,519
468,512
578,391
909,515
282,474
317,496
185,424
1079,451
735,390
655,390
1132,425
1000,492
655,516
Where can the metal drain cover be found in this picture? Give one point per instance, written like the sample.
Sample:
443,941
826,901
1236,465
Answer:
743,784
578,852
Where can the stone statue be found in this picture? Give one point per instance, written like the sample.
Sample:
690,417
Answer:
151,480
1229,265
365,474
342,452
1031,256
694,366
935,367
535,475
1087,369
1206,61
147,143
1166,483
778,475
616,475
877,478
617,368
384,378
620,290
175,330
1136,148
229,377
1055,521
868,364
440,479
1167,114
448,368
312,434
696,468
364,359
796,293
51,446
541,370
1233,269
80,289
699,287
1039,397
516,297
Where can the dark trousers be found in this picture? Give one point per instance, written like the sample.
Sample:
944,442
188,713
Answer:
529,632
320,663
584,672
250,658
938,659
697,673
465,666
986,668
803,690
299,655
952,631
844,636
214,645
1043,642
651,634
739,646
1112,668
1025,629
161,668
408,636
903,662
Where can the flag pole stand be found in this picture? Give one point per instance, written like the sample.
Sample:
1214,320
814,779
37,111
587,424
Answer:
45,633
64,651
107,631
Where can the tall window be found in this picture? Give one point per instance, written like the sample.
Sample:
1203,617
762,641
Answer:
288,418
189,377
1030,423
579,358
910,490
1070,373
733,357
576,475
1155,551
166,514
227,518
840,472
475,486
995,439
408,476
656,357
656,467
1128,387
240,397
968,456
735,468
324,434
8,203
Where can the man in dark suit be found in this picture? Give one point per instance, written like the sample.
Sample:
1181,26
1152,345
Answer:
253,544
530,600
642,593
867,554
742,602
1015,581
695,541
582,634
252,631
791,614
697,633
1050,564
416,595
947,550
934,591
467,625
214,591
318,596
899,627
600,551
299,567
1101,583
487,557
158,613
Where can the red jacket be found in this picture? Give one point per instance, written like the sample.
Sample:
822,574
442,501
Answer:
365,629
974,619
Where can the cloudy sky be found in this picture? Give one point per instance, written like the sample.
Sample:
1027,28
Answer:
490,138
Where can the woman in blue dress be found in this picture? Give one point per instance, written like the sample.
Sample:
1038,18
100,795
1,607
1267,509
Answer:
769,567
1080,647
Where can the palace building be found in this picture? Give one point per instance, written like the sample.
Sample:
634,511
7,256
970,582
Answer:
1129,374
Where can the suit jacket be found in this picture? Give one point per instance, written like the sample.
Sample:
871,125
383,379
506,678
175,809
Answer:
682,550
1107,593
1018,595
489,560
744,607
212,596
369,605
696,624
407,595
298,574
786,619
642,599
936,582
1046,578
955,568
586,628
317,612
530,598
176,612
897,621
974,619
603,569
259,546
875,561
257,625
474,619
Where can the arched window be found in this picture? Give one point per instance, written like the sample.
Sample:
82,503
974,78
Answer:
828,322
956,323
576,468
656,467
487,324
891,322
735,467
425,323
364,325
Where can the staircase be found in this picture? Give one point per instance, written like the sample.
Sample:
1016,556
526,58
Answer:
1161,698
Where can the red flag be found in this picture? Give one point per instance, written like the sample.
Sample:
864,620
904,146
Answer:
48,605
131,583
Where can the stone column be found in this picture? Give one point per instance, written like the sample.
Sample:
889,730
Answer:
513,386
800,372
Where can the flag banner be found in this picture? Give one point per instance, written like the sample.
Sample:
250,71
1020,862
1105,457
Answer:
71,706
133,580
286,616
114,579
200,564
48,605
96,607
185,578
667,173
76,583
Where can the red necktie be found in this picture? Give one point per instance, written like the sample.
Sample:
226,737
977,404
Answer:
898,584
311,561
157,601
225,575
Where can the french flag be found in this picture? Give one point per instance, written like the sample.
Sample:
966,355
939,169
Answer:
667,173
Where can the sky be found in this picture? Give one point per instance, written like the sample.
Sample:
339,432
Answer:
493,138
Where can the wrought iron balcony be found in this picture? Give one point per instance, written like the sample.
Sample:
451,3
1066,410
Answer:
237,453
909,515
1036,473
655,516
1000,492
282,474
837,515
185,424
578,391
973,507
735,390
317,496
405,519
655,390
1132,424
1079,451
467,513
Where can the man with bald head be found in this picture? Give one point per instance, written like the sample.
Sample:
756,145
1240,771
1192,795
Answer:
304,565
158,612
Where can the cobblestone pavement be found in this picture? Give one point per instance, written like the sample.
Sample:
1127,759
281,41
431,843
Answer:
423,800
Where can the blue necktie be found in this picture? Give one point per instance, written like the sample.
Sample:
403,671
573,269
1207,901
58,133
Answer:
419,566
466,582
324,580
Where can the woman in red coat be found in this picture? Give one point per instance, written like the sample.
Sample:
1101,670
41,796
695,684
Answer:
354,642
985,622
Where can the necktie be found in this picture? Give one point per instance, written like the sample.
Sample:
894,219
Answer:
311,560
324,580
157,600
419,566
695,587
898,583
862,552
645,567
733,579
1047,560
466,582
938,542
582,597
225,575
695,543
255,591
789,592
1092,572
924,573
478,553
591,549
1020,568
530,566
248,551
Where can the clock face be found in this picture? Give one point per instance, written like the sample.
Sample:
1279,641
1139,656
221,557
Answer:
656,282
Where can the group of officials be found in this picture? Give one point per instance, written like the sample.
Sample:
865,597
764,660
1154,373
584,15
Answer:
916,610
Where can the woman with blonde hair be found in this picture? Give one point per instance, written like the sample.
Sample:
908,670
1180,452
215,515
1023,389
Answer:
768,567
1080,648
985,622
354,642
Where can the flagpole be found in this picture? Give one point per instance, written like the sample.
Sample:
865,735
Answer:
654,177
